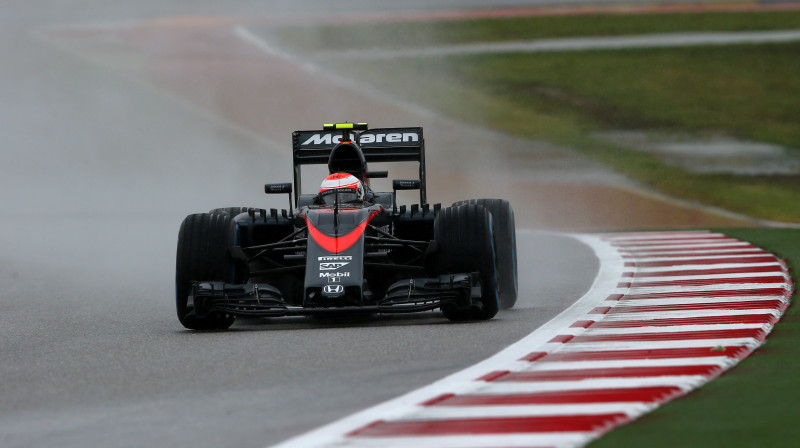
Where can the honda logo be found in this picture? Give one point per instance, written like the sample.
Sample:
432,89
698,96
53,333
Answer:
333,289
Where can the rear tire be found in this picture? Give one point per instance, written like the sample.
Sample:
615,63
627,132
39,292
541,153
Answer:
466,244
505,234
204,241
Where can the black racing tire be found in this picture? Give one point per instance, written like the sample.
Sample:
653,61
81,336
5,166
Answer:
203,254
505,234
465,243
232,211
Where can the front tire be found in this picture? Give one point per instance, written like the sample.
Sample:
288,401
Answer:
204,241
466,244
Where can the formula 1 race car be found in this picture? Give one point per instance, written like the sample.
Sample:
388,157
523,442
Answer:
346,248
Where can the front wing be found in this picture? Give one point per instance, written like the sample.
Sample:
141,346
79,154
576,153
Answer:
262,300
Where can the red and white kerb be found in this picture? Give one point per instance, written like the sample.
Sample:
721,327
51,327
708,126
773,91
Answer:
668,312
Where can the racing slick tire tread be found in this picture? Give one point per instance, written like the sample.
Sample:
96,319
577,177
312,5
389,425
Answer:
203,243
505,235
465,240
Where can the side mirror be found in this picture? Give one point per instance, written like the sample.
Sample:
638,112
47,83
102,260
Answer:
282,188
406,184
377,174
403,184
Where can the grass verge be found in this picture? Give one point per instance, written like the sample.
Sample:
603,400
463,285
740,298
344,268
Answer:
754,404
742,91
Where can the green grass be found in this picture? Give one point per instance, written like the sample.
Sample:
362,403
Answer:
566,98
743,91
752,405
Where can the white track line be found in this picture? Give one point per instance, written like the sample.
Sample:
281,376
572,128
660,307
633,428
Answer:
439,413
673,329
686,382
666,40
474,441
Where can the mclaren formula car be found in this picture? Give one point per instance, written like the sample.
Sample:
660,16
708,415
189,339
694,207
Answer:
347,248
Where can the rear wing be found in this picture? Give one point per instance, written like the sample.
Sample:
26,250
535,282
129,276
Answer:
378,145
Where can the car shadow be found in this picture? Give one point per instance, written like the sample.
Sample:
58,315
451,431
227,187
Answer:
344,321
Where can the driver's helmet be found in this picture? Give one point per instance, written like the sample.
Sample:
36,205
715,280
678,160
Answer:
348,187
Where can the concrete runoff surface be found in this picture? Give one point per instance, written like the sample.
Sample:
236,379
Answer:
98,168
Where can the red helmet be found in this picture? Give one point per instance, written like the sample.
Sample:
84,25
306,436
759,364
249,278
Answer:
348,187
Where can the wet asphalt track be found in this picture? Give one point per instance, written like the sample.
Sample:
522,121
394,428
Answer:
105,363
97,172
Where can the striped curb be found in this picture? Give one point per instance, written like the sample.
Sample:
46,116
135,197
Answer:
668,312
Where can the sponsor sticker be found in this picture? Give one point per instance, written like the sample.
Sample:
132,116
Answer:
333,289
333,274
365,138
331,266
333,262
